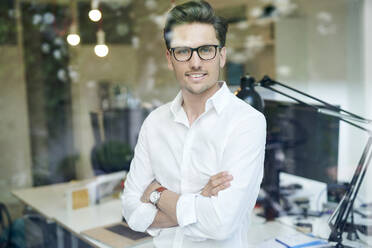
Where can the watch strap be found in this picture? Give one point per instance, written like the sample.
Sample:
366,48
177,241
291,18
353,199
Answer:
161,189
158,191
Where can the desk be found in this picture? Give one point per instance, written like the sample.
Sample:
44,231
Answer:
50,201
259,230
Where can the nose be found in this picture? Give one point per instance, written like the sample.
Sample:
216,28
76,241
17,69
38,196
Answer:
195,61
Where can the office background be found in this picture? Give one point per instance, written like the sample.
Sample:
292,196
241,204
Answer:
48,88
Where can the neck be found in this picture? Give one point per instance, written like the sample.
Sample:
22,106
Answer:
194,104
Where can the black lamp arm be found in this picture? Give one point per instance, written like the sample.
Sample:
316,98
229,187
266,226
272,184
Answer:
266,82
345,206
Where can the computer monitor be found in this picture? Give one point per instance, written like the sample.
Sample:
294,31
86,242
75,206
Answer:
300,141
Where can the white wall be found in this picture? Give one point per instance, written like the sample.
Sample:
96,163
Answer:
15,155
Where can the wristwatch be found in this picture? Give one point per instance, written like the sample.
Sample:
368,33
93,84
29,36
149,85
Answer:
155,195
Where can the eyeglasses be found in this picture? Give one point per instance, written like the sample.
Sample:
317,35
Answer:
205,52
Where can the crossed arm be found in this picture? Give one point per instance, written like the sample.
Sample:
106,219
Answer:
200,215
167,216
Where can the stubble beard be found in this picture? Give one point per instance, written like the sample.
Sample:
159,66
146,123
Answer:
197,92
200,91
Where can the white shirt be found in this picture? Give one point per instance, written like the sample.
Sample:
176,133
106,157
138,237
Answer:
230,135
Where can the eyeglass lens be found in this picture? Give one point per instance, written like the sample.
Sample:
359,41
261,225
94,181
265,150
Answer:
206,52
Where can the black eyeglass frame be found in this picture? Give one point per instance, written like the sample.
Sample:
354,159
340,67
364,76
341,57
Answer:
197,51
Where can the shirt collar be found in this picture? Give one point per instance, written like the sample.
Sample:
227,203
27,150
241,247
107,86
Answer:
218,100
176,104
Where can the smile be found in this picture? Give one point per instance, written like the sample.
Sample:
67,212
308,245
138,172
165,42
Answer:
196,76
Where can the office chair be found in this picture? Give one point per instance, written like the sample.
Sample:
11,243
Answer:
5,227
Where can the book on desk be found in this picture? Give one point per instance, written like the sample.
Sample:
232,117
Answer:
117,235
298,240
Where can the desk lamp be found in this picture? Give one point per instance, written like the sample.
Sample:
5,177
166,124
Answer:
338,220
247,93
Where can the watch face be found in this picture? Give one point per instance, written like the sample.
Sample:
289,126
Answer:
154,197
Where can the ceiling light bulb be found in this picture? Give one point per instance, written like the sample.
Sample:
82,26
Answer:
101,50
73,39
95,15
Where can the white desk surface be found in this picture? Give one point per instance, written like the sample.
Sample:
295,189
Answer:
50,201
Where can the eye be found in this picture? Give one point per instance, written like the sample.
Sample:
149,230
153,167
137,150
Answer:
206,49
182,50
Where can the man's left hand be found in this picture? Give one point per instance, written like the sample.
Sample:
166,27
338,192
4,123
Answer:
146,195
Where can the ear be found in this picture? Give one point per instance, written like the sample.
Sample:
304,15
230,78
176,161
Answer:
222,57
169,59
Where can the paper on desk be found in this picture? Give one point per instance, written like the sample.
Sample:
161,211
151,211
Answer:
297,240
271,243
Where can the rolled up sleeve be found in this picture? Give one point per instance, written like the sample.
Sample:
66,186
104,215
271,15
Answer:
139,215
219,217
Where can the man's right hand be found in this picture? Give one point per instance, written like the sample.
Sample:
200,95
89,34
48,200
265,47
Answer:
217,183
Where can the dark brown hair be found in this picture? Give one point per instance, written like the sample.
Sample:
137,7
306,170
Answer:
195,11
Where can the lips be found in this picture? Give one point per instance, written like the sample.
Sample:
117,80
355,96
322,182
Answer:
196,75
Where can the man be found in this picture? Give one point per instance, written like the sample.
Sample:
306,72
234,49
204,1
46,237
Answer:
198,162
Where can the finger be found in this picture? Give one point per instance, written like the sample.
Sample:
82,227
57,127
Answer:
222,180
215,181
206,194
207,190
219,175
217,189
207,187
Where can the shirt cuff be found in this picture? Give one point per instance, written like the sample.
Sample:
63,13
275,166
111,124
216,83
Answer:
153,231
185,209
142,217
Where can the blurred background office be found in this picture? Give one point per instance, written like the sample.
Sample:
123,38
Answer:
74,90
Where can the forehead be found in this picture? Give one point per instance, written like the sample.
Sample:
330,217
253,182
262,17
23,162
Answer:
193,35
